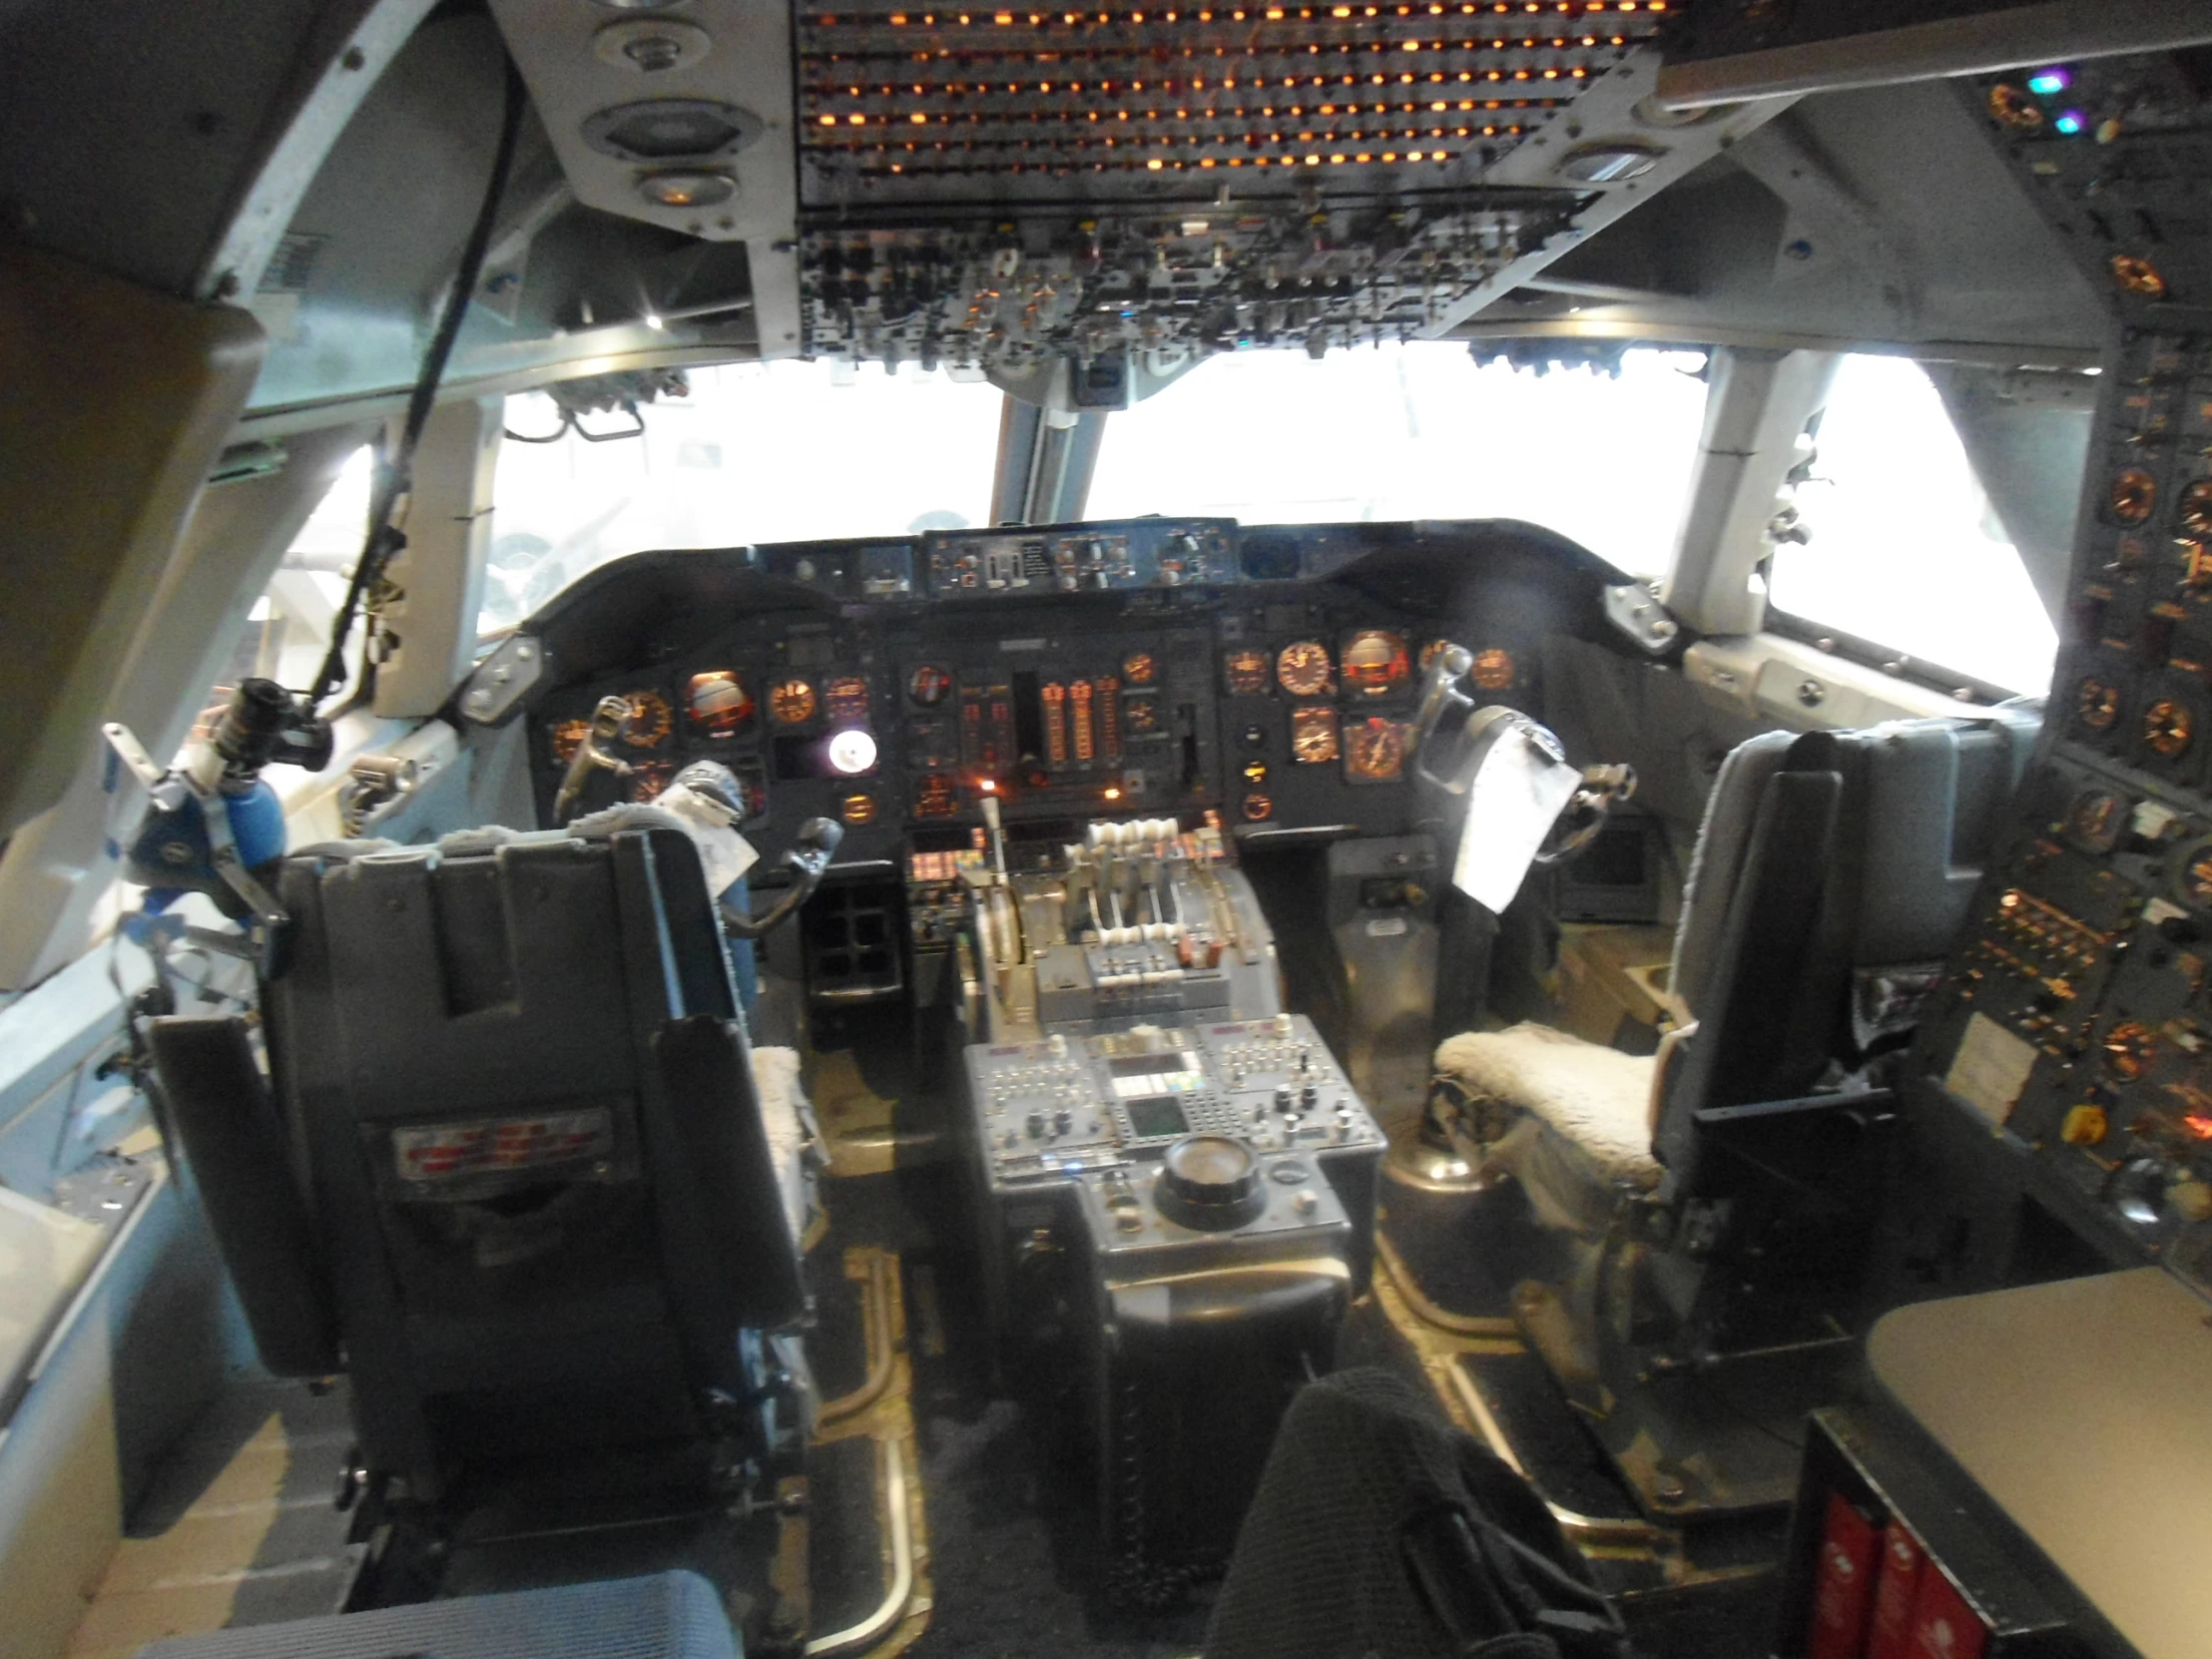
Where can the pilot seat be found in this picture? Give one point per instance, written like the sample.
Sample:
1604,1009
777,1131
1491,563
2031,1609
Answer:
511,1171
1715,1199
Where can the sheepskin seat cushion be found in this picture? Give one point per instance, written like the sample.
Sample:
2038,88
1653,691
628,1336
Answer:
1596,1099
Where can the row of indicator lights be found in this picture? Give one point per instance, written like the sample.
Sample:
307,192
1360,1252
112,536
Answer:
1288,49
889,139
1069,117
1164,165
1269,14
856,66
1115,89
1251,140
1266,112
1172,166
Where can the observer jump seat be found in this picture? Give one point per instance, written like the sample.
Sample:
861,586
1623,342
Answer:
511,1169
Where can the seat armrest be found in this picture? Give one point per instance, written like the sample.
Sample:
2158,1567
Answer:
1715,1117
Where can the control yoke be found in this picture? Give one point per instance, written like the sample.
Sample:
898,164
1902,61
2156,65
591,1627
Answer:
1450,754
807,857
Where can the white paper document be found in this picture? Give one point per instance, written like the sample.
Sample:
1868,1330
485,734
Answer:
1516,796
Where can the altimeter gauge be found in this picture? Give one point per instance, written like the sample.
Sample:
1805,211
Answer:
1303,669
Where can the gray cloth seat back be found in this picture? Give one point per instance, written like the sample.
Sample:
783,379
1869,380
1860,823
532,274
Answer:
1832,875
1935,794
520,1113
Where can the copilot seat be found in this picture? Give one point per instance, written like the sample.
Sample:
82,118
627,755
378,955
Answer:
1716,1212
1831,875
511,1172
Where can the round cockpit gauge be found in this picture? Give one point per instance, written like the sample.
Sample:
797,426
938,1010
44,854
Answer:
718,704
1374,751
929,685
846,698
2193,877
2167,728
1375,663
1138,669
1494,670
858,809
2128,1048
2133,497
2014,108
1210,1183
2137,275
650,720
1303,669
1257,807
648,778
2095,818
2097,704
1248,673
2196,511
851,751
791,702
1313,734
1140,713
568,738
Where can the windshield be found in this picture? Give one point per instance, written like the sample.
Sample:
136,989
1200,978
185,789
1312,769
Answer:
1417,431
757,452
1905,550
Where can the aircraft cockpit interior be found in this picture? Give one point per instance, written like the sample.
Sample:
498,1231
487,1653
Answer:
1272,832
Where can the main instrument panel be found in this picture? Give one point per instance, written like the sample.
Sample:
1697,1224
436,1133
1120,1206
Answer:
1147,667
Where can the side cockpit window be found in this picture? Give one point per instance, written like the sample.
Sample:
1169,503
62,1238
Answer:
289,627
1892,547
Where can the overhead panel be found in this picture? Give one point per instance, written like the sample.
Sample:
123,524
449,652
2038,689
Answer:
1015,187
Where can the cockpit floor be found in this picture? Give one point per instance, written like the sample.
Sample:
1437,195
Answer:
240,1528
237,1526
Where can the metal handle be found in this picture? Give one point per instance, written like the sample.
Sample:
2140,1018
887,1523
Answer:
1439,696
606,721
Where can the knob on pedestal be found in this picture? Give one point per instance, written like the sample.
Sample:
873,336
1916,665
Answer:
1210,1183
